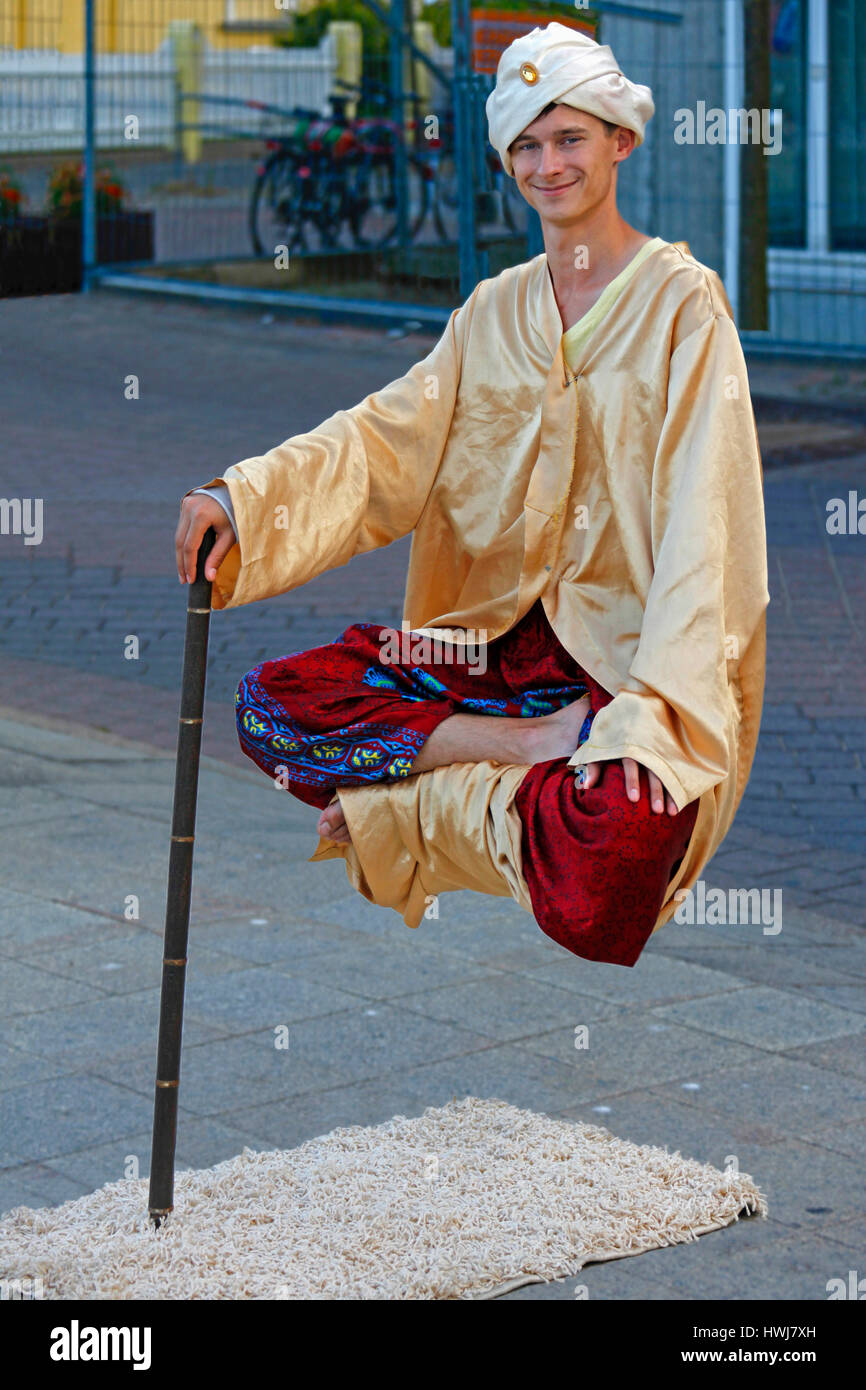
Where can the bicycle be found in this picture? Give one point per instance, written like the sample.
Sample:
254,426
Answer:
446,199
334,177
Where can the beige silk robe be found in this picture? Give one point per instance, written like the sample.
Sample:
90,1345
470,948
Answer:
624,490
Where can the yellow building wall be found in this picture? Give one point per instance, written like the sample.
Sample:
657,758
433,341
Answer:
30,23
139,26
132,26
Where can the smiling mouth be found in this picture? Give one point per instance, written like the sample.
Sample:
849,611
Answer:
556,188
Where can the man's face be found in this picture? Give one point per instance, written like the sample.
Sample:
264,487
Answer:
563,163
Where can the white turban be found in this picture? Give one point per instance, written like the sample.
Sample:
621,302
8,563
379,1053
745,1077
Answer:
562,65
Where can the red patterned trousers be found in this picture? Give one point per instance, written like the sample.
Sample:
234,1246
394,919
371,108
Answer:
359,710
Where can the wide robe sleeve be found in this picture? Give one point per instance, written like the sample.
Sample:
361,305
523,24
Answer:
358,481
679,708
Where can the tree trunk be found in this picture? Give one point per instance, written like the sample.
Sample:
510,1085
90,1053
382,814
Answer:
754,183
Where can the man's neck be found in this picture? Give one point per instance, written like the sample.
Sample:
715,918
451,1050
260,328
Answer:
585,257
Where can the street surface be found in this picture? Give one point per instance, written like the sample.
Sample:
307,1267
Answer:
724,1040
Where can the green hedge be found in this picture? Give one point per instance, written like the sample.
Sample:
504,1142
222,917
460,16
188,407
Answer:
307,29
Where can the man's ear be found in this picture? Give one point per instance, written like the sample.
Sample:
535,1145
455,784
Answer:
625,142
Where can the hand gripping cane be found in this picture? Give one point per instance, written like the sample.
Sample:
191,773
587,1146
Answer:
161,1199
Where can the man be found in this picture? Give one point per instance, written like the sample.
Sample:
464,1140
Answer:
578,460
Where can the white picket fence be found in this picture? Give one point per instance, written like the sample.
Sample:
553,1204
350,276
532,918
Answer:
42,93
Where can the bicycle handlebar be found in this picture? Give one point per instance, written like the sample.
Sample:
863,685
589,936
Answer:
371,85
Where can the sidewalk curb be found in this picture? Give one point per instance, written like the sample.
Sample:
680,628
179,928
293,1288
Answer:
324,308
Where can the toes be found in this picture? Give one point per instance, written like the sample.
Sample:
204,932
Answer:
332,825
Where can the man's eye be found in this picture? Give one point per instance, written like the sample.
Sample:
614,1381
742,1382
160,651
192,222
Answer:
531,145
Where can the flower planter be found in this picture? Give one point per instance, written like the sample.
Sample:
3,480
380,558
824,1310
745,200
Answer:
42,255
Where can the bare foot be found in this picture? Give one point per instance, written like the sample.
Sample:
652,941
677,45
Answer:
555,735
531,740
332,825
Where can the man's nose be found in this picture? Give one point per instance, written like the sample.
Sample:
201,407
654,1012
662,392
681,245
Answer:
551,158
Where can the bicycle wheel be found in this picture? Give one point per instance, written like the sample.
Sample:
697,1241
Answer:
277,206
420,176
515,209
446,198
333,208
371,206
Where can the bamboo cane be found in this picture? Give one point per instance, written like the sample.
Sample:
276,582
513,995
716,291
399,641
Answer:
161,1198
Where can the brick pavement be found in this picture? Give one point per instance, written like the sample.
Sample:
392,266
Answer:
725,1044
219,385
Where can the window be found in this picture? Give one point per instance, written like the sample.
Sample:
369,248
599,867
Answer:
787,174
847,36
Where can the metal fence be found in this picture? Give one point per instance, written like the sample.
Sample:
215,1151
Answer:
236,148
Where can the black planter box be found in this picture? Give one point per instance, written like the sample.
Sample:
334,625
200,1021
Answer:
24,260
42,255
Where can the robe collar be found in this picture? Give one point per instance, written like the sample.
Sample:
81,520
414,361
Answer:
546,315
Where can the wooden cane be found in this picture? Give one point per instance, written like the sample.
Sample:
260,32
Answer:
161,1199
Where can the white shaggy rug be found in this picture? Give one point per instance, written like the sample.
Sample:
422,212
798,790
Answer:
466,1201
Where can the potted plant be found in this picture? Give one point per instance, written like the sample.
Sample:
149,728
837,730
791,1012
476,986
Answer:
11,197
42,254
122,234
22,241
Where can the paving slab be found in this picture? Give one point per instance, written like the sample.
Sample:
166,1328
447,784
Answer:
792,1096
656,1050
723,1041
56,1116
413,973
784,1270
769,1018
